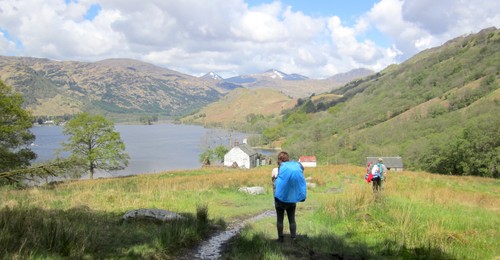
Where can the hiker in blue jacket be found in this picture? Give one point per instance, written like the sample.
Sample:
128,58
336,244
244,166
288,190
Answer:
290,189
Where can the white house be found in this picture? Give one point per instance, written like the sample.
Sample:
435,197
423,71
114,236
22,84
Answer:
242,156
308,161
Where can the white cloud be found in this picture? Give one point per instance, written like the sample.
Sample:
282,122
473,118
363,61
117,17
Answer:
229,37
415,25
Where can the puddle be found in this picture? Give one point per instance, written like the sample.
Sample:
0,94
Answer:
211,248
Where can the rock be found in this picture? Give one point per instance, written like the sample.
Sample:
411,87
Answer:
311,185
158,214
253,190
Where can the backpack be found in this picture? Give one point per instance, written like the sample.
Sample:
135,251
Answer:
379,171
290,183
369,175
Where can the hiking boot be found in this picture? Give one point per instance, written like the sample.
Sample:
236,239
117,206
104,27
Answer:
280,239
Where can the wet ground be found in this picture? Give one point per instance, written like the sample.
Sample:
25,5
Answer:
212,248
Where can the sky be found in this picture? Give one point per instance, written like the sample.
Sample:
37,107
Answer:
314,38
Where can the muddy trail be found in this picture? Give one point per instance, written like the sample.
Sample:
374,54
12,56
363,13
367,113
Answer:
212,247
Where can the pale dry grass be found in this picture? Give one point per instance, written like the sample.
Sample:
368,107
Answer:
446,190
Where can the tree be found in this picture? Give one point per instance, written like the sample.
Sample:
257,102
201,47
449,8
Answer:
15,135
213,155
219,152
92,139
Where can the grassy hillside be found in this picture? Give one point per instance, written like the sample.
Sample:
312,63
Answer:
240,105
438,110
417,216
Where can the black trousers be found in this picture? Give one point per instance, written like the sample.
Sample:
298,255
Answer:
281,207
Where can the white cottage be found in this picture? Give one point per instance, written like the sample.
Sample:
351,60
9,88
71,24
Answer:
242,156
392,163
308,161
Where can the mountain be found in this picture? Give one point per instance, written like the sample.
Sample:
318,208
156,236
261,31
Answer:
346,77
212,76
438,111
122,87
293,85
271,74
116,86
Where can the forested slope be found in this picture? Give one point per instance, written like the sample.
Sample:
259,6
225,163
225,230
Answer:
438,110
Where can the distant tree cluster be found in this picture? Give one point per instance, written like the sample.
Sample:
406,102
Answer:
213,156
148,119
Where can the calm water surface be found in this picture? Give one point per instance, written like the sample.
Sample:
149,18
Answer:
152,148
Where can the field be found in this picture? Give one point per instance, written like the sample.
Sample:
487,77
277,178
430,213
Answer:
417,216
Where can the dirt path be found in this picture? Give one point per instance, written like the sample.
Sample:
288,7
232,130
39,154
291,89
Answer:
211,248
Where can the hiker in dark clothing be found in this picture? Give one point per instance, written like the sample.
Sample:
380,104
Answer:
290,188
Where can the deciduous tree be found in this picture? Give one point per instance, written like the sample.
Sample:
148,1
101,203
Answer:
15,135
92,138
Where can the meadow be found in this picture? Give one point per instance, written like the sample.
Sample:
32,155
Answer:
417,216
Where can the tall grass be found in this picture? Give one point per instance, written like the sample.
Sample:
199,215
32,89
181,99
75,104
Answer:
416,216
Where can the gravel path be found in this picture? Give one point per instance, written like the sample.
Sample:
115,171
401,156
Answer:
211,248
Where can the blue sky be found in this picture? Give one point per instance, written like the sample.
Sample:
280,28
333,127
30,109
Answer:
233,37
346,10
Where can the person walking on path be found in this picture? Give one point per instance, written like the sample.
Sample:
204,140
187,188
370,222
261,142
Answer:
290,189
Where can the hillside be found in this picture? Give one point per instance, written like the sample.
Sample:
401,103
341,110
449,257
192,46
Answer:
441,100
120,86
239,105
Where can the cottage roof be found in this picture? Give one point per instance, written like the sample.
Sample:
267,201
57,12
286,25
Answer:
390,162
247,149
307,159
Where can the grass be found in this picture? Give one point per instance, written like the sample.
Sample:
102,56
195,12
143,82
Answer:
417,216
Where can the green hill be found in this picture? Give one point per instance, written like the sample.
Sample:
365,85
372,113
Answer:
438,110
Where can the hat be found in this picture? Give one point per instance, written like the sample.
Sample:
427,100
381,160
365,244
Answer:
380,160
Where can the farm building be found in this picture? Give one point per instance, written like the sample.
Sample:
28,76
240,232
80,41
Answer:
308,161
392,163
241,156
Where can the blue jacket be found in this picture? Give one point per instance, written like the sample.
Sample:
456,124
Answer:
291,184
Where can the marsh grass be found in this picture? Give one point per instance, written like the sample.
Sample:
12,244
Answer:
417,216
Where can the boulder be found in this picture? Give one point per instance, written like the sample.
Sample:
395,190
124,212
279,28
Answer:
154,214
256,190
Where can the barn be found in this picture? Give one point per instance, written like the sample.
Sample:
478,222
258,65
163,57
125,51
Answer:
392,163
308,161
241,156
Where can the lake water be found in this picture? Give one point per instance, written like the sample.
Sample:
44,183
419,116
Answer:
152,148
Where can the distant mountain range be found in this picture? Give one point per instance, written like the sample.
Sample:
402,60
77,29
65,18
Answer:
126,86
